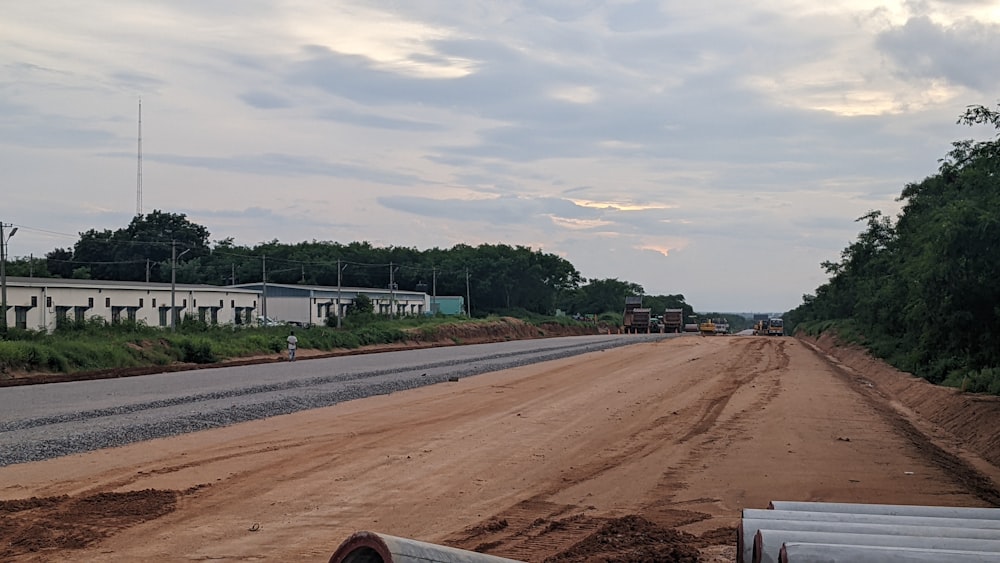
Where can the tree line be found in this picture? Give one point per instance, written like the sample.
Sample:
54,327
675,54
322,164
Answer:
923,290
497,278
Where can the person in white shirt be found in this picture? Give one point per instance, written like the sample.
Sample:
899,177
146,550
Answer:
292,344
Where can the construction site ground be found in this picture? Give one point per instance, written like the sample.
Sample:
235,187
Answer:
642,453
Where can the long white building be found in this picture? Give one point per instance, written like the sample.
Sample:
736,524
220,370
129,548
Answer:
43,303
312,304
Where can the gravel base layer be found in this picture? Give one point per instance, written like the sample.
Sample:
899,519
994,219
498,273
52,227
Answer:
46,421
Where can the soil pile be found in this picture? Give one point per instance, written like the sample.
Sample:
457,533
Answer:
55,524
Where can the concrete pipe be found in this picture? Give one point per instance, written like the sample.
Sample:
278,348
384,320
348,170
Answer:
756,514
767,543
754,519
889,509
372,547
830,553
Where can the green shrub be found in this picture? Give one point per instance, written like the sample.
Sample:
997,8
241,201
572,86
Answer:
196,350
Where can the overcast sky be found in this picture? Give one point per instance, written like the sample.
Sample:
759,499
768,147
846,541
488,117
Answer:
720,149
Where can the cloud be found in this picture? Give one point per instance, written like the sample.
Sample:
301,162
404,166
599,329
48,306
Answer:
272,164
264,100
962,53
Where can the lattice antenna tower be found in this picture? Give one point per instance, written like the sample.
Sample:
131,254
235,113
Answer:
138,173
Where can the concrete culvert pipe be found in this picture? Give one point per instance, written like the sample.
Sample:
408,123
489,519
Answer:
829,553
889,509
754,514
855,524
372,547
767,543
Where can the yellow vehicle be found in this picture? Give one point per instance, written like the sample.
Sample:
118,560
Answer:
771,327
707,327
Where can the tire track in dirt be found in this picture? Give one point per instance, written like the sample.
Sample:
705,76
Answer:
757,371
964,474
694,428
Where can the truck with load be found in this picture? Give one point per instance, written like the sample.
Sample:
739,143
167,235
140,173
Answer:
773,326
673,320
636,317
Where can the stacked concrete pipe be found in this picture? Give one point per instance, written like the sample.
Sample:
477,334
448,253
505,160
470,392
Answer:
372,547
827,553
889,509
756,519
893,522
767,543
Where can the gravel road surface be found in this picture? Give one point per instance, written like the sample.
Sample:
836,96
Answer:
39,422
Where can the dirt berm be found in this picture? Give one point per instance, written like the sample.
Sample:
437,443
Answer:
969,418
449,334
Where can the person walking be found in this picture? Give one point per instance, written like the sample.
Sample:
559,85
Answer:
293,343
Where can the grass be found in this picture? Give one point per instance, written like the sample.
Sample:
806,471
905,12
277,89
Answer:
96,345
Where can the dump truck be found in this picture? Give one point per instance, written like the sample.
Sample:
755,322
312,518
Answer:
673,320
773,326
636,317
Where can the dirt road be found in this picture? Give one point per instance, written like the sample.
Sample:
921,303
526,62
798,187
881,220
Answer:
657,446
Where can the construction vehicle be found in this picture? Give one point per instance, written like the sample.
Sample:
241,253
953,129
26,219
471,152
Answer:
773,326
673,320
722,326
636,317
707,327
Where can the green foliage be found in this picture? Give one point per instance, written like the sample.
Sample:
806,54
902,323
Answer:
985,380
197,350
922,291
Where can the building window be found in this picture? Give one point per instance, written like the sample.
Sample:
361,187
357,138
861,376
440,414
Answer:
107,301
48,302
163,316
194,302
184,303
140,302
34,300
233,303
154,303
222,303
90,302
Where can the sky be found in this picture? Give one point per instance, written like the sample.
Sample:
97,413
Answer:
719,149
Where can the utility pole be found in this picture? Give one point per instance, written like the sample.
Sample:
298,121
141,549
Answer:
468,295
147,270
173,283
434,290
263,293
3,275
392,293
340,311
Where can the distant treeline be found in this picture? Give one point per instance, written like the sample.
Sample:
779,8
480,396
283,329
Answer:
923,291
496,278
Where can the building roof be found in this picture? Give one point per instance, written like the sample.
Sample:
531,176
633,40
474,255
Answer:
326,289
115,284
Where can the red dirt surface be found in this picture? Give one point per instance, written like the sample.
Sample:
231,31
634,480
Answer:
643,453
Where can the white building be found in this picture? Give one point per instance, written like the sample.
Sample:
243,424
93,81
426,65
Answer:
42,303
311,304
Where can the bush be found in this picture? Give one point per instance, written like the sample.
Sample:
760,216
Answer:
196,350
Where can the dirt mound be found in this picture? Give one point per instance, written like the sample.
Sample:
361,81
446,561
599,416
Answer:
64,522
969,417
632,538
505,328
